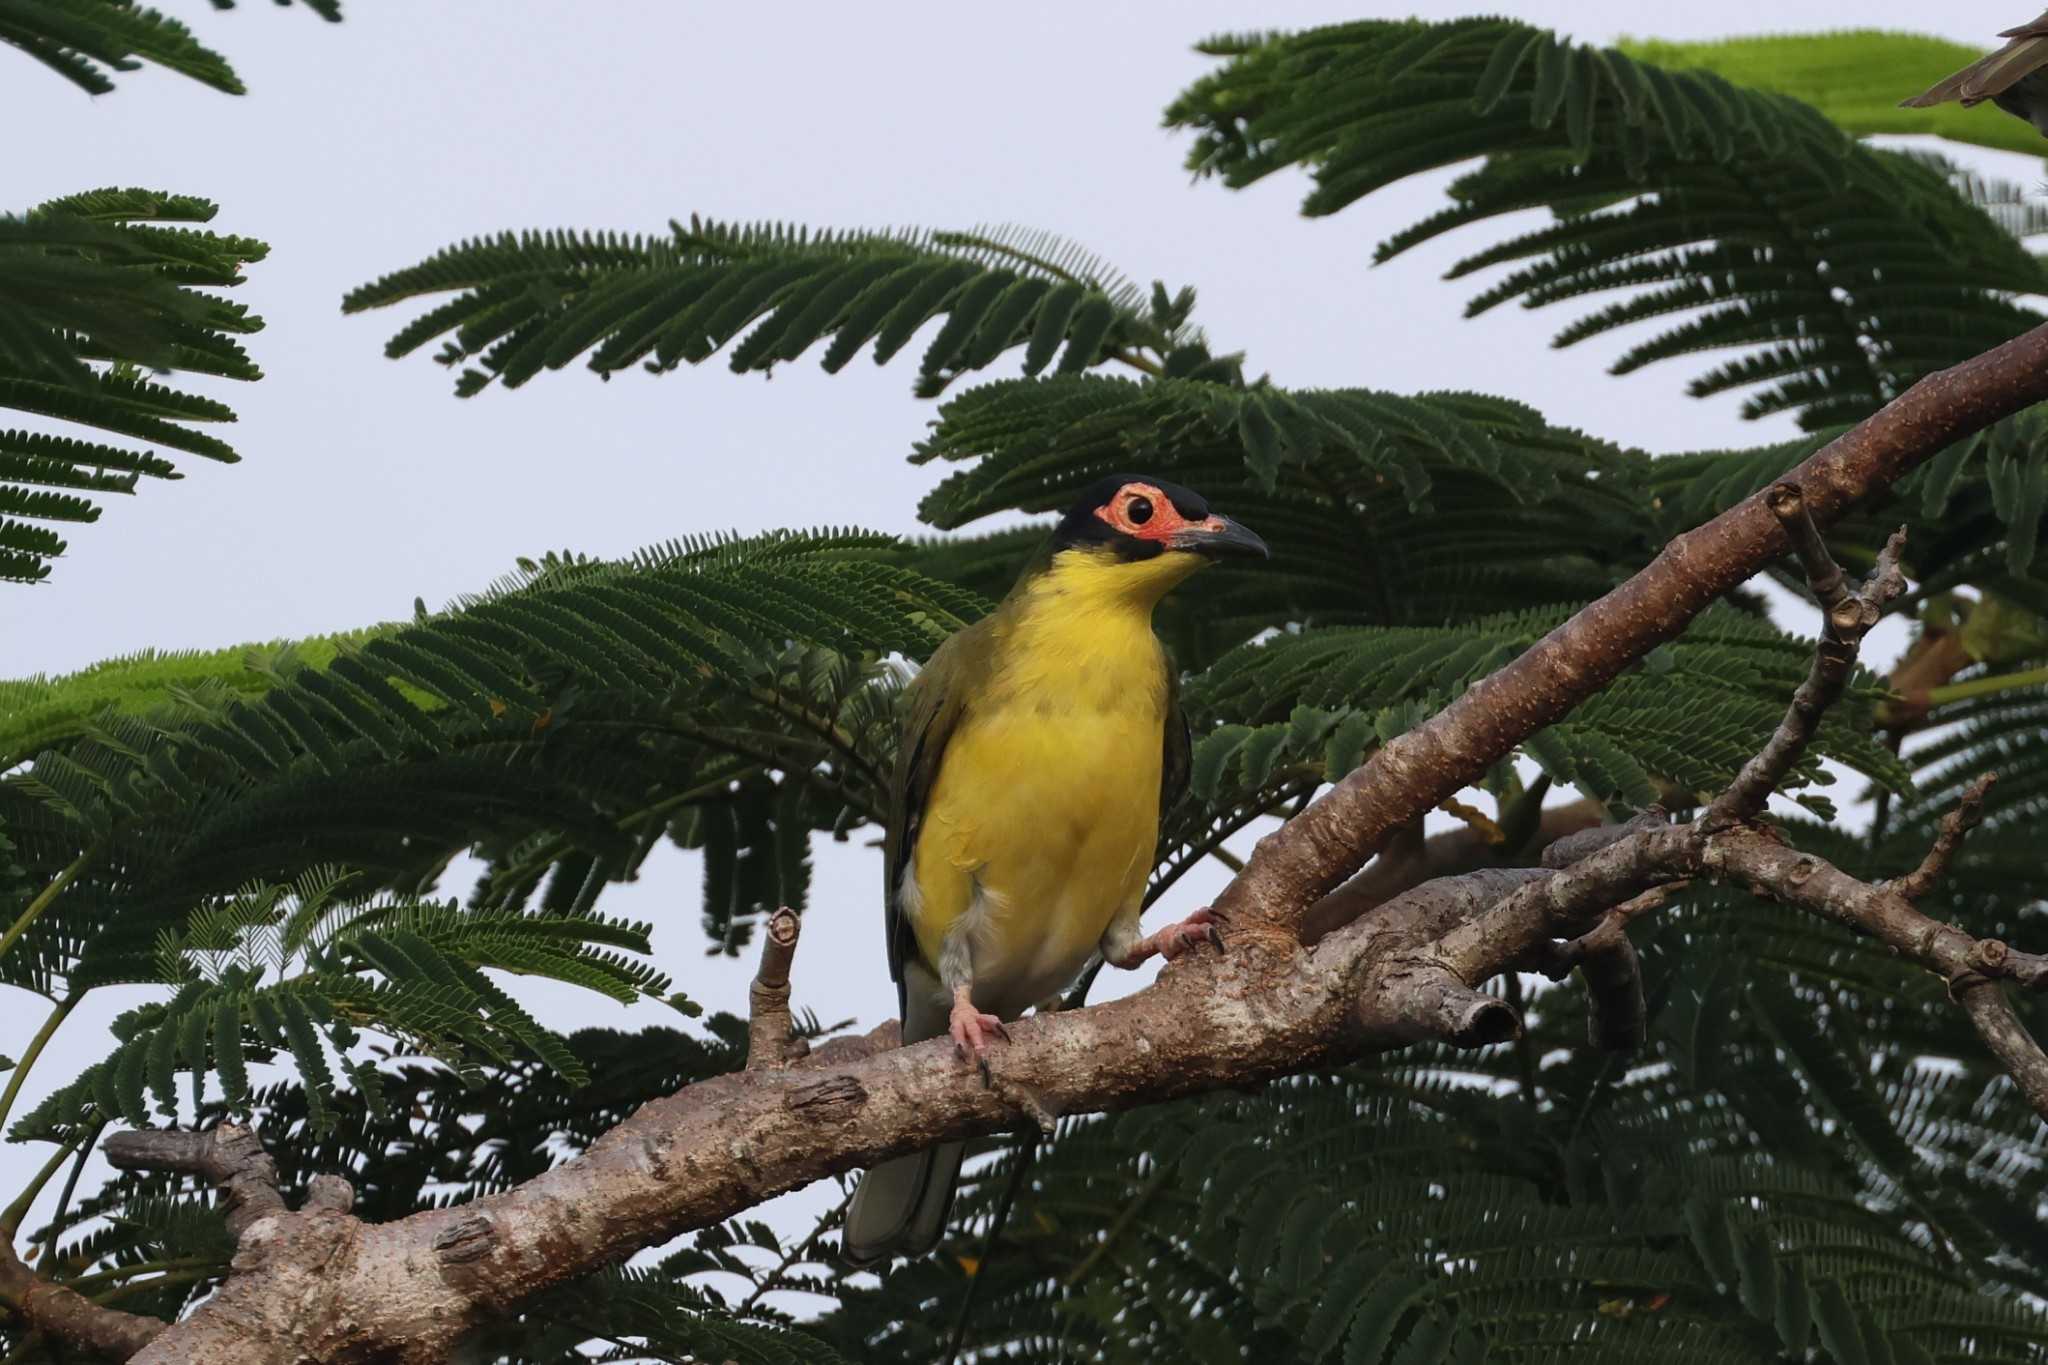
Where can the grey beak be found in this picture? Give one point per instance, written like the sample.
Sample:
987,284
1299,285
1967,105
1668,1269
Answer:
1221,538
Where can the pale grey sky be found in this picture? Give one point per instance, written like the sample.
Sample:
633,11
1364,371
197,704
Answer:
367,145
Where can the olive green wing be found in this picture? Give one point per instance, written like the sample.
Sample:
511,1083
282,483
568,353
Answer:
1180,748
935,701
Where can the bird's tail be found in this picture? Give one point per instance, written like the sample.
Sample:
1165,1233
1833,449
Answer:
899,1208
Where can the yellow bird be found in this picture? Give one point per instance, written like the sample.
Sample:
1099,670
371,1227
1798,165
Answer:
1040,746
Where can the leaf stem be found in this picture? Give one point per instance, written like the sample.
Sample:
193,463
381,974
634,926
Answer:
11,1216
124,1273
1141,363
43,901
800,1251
1985,687
1153,1184
64,1199
28,1058
1025,1155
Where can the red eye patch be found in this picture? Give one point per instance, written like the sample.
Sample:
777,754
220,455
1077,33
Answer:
1140,510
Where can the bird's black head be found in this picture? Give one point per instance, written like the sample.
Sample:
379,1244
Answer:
1140,517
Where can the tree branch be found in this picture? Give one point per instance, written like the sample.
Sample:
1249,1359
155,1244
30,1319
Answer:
771,1036
229,1157
63,1314
1409,860
1847,615
1947,840
1618,1020
1290,869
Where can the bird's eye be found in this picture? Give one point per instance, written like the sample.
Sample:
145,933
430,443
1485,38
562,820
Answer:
1138,510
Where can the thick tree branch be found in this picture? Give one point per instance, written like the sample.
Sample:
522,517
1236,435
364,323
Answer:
65,1315
1289,870
318,1285
1409,860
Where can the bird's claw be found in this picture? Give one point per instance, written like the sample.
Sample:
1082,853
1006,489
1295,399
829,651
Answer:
1204,926
970,1029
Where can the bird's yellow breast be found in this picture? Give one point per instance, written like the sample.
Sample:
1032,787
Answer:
1044,816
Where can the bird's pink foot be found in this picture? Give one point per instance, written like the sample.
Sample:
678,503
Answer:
972,1029
1177,940
1204,926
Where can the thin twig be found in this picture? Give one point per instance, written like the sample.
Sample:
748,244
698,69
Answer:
27,1060
1847,614
11,1217
1954,826
1018,1172
801,1251
1617,1018
1824,578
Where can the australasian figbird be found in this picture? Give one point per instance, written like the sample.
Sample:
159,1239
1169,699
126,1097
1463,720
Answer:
1039,748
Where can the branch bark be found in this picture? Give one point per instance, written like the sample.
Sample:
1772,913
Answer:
317,1284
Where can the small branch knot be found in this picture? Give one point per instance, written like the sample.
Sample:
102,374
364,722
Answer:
330,1193
1852,615
771,1042
1483,1023
832,1099
466,1241
1989,955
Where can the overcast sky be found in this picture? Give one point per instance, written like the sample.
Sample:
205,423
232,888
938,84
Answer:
365,146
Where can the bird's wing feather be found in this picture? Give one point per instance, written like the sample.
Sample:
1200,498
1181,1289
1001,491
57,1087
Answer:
1180,745
937,701
1992,75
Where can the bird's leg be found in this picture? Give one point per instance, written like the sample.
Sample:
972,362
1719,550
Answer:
1123,946
970,1027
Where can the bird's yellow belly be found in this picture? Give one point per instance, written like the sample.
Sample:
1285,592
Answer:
1041,827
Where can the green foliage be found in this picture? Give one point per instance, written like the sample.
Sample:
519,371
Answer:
727,692
39,713
1673,729
1856,77
1811,1160
84,41
298,969
1842,272
95,291
538,300
1381,508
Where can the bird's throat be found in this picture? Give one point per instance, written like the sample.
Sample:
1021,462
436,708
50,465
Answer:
1078,636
